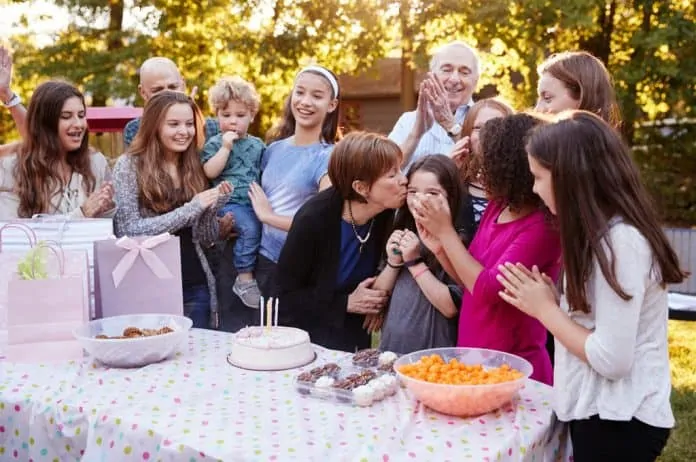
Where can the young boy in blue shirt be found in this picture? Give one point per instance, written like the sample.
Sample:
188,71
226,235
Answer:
235,156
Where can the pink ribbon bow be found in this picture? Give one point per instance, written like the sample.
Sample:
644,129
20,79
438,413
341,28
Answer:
136,248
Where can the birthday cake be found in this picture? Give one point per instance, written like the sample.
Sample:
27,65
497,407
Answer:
271,348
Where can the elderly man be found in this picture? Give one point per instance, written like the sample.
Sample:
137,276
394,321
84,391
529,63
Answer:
443,101
158,74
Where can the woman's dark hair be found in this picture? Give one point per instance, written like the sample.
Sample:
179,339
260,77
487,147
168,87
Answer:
330,132
35,173
594,180
505,169
445,170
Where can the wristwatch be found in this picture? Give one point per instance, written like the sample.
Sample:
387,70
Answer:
14,101
455,130
413,262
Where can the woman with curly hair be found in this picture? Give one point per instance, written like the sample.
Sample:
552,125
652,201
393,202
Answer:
514,228
53,170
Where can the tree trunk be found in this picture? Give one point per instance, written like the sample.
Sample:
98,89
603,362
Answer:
114,42
600,43
408,95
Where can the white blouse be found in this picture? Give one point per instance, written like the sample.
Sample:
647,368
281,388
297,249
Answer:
64,202
628,373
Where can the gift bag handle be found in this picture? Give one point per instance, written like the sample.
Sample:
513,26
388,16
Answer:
48,218
57,250
28,232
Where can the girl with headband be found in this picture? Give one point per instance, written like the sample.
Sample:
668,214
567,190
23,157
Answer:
294,166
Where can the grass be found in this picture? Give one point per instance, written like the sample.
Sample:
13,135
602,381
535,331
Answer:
682,351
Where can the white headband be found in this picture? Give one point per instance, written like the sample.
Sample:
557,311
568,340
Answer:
325,73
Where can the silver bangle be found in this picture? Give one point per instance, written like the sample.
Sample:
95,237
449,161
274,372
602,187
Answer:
14,101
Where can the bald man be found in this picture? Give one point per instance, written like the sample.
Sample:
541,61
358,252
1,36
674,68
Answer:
443,101
159,74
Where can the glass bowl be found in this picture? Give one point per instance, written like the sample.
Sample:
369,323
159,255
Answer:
465,400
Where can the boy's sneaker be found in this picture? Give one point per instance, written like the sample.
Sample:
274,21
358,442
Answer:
248,292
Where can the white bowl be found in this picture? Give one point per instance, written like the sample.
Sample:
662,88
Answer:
133,352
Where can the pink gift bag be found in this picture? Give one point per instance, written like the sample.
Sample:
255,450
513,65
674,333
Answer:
138,275
42,313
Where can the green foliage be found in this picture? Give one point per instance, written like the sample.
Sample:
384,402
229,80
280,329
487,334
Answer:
648,46
666,155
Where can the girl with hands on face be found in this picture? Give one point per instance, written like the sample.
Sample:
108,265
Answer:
424,302
612,379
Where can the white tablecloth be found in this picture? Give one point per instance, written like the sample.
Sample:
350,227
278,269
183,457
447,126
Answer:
196,407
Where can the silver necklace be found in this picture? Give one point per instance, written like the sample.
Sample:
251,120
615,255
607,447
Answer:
360,239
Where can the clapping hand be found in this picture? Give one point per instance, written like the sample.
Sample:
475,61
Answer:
530,291
439,103
99,202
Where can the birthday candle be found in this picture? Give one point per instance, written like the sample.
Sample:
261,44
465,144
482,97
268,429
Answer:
261,311
275,314
269,309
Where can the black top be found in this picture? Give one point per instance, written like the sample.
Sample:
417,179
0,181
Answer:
308,271
466,223
192,273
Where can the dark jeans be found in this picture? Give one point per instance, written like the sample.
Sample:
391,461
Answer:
197,305
596,440
246,245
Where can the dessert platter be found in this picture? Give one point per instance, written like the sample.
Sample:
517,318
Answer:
270,347
362,379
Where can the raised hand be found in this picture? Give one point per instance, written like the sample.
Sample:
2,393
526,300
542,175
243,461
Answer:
228,139
460,151
394,256
410,246
439,102
433,214
5,74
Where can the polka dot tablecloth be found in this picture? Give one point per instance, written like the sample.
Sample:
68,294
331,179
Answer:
196,407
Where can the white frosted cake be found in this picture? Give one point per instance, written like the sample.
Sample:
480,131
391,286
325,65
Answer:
271,348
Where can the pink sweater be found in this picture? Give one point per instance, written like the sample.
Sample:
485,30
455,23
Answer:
485,320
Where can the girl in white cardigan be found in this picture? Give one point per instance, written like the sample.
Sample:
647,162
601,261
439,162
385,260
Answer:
612,378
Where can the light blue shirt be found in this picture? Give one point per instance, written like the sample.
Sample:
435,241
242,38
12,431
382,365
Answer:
290,177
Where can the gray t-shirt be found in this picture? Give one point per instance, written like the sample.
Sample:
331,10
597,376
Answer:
412,322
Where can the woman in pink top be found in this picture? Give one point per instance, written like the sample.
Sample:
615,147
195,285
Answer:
515,227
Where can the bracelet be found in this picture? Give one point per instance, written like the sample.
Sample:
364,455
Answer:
420,272
413,262
14,101
394,266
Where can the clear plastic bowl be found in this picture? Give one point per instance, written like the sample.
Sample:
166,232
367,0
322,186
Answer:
133,352
465,400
